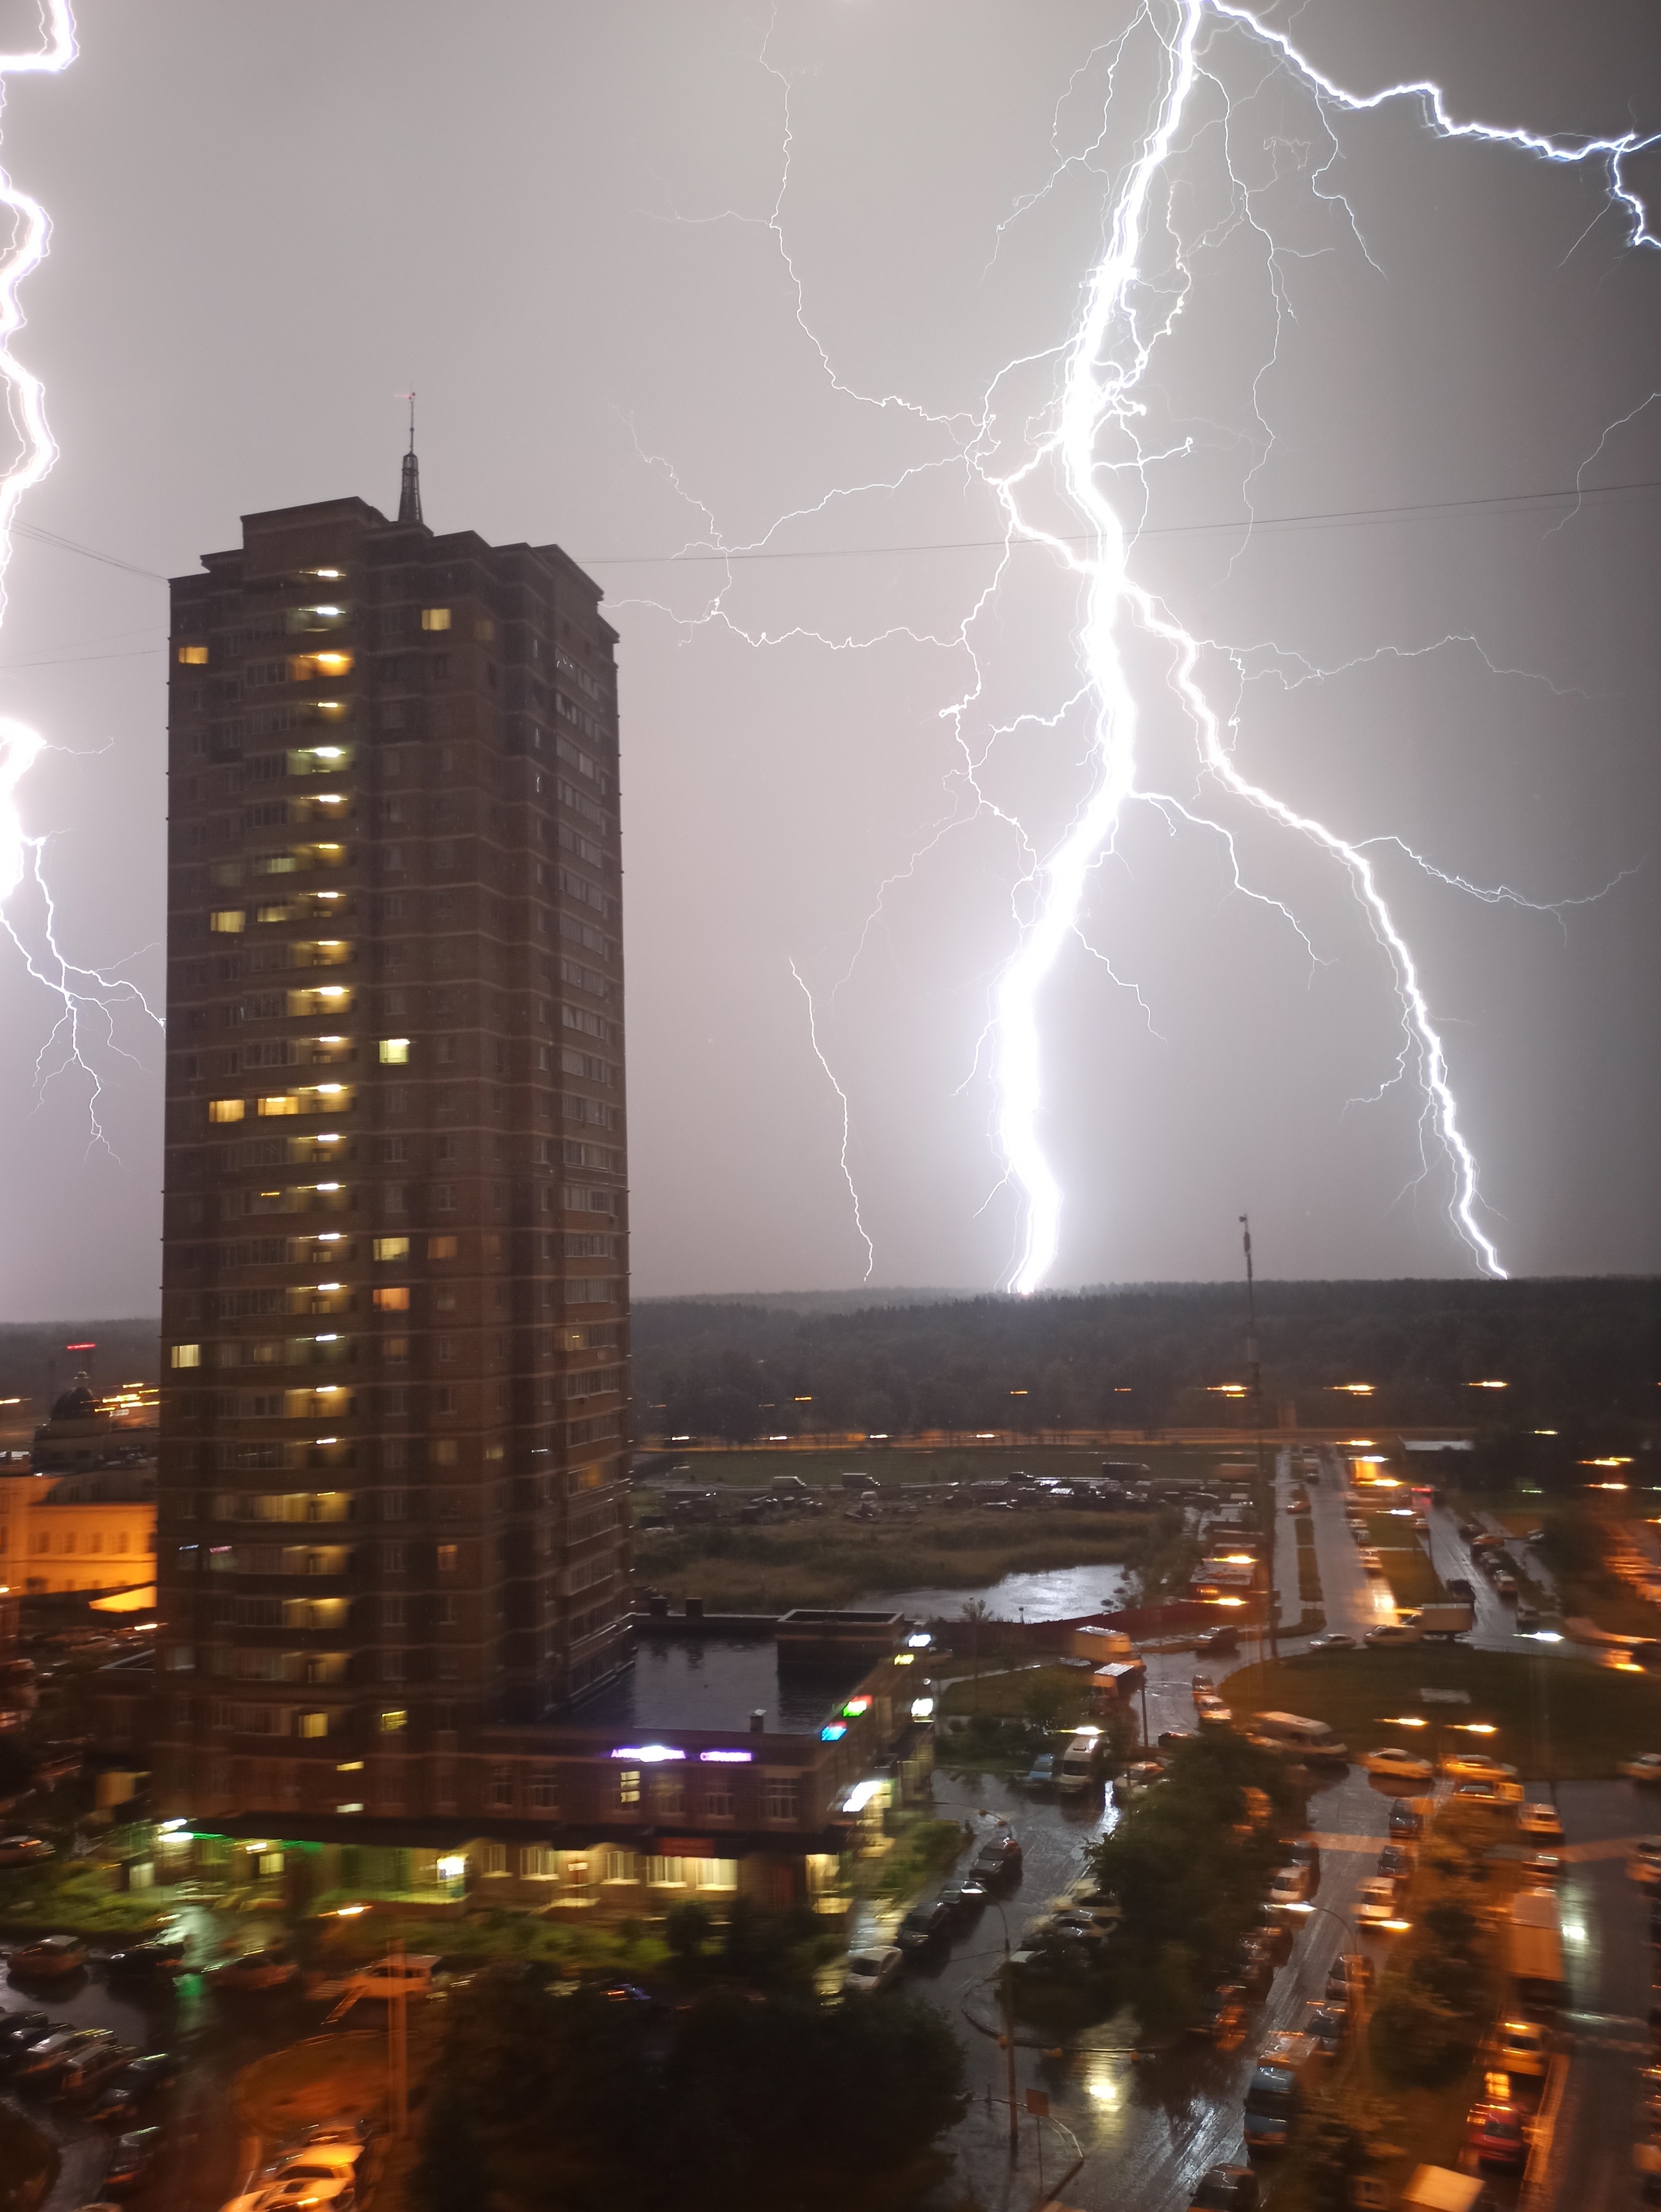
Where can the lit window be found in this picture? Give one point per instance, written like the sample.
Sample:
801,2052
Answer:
187,1355
394,1724
391,1247
394,1052
485,630
448,1557
312,1724
225,1109
196,656
431,618
306,667
629,1785
394,1298
438,1247
275,1107
228,921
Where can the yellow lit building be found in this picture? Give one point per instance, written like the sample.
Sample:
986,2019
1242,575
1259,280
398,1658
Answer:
94,1532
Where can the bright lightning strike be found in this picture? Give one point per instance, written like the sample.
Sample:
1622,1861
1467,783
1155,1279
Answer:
1085,451
87,998
1106,362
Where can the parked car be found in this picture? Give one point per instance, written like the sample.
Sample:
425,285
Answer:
1331,1641
409,1976
865,1972
1542,1869
1476,1766
1394,1764
1213,1713
1351,1971
1289,1886
1375,1903
1525,1620
18,2031
298,2193
52,1958
1517,2047
1222,1639
1370,1560
1222,2015
1461,1586
1329,2024
1392,1632
1396,1860
133,2161
160,1955
256,1970
1645,1865
963,1894
1494,2135
999,1858
43,2060
1646,1767
90,2068
1041,1775
1540,1821
1406,1819
138,2084
1303,1851
1140,1775
924,1927
315,2158
1170,1738
24,1851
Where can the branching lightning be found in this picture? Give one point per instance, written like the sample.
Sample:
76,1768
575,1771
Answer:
1088,447
87,998
846,1132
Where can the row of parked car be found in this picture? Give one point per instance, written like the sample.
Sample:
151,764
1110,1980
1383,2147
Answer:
929,1926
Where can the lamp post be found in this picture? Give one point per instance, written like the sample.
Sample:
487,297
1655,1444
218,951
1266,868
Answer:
1008,2008
1254,1377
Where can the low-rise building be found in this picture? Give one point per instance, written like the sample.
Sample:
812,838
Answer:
718,1765
77,1532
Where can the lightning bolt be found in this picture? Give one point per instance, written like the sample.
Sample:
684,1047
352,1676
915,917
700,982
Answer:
1106,362
847,1127
87,997
1083,451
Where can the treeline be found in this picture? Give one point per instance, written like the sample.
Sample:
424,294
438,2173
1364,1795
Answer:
1575,1354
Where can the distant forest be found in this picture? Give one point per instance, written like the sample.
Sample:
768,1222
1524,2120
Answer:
1581,1357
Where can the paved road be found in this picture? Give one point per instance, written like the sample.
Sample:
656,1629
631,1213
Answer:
216,2034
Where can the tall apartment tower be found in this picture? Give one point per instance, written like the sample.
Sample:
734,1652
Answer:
394,1301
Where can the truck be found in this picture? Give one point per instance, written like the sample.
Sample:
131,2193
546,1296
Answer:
1286,2071
1448,1618
1535,1943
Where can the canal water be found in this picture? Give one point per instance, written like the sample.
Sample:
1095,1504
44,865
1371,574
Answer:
1056,1593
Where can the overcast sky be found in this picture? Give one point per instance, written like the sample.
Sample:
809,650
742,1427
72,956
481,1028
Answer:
557,223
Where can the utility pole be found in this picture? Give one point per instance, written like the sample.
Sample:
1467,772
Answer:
1265,1487
398,2045
1009,2043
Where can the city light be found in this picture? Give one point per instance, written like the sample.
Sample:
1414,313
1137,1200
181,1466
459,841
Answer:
649,1754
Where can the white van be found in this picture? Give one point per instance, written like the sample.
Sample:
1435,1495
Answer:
1293,1737
411,1976
1078,1766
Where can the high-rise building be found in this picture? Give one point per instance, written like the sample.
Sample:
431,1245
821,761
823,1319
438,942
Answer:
394,1303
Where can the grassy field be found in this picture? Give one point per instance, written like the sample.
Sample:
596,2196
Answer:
830,1561
1557,1719
1010,1696
759,1468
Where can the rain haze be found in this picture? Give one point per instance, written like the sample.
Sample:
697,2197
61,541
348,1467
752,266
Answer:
670,279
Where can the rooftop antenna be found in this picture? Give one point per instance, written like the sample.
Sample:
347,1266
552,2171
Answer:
409,496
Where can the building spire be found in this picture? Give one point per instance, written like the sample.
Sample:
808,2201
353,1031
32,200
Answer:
409,496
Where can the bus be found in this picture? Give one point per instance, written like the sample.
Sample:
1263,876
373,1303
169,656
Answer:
1293,1737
